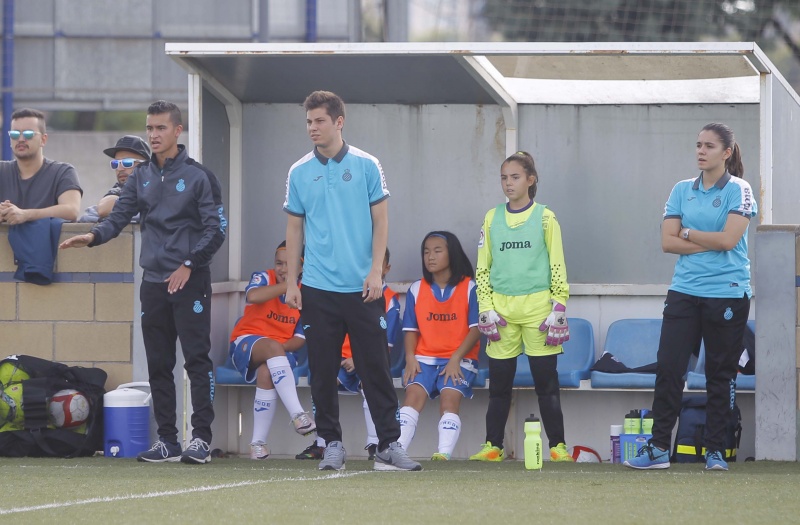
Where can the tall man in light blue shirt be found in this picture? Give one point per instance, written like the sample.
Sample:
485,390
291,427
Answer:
336,198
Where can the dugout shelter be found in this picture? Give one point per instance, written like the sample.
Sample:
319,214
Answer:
612,127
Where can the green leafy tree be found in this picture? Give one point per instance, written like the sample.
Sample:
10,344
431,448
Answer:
632,20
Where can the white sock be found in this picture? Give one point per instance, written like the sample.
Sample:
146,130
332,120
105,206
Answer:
449,430
263,411
283,379
408,426
372,434
320,442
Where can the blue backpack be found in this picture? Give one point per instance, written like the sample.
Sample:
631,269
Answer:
691,426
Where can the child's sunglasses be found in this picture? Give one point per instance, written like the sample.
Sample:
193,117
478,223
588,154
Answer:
124,163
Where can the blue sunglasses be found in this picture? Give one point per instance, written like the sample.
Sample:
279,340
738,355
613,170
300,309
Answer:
28,134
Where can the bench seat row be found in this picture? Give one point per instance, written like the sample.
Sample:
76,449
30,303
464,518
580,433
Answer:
633,342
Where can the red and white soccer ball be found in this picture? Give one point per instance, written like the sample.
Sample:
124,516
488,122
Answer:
583,454
68,408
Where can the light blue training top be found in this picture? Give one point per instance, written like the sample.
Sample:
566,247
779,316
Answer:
718,274
335,196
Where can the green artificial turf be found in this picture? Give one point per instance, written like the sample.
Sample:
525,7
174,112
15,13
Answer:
239,491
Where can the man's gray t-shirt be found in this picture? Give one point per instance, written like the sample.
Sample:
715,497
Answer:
40,191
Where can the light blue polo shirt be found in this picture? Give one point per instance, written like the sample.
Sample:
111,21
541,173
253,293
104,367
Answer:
713,273
335,196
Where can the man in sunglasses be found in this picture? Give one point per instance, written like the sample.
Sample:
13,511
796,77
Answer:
183,226
31,186
129,152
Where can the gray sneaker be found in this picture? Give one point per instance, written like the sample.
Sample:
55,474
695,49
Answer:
333,457
395,458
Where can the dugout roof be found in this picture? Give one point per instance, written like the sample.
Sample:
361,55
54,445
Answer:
474,73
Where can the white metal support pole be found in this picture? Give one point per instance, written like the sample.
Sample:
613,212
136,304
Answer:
487,75
765,144
195,150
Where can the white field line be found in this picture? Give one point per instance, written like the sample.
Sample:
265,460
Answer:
148,495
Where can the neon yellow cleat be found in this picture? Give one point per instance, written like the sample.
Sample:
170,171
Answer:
440,456
560,453
489,452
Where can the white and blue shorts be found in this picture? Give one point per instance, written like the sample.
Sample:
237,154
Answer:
241,350
430,379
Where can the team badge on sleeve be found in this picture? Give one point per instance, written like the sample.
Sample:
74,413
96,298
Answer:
256,279
481,239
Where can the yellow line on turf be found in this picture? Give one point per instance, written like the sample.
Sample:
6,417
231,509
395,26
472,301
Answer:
148,495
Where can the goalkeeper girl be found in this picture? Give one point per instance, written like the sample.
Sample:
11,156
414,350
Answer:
522,295
441,339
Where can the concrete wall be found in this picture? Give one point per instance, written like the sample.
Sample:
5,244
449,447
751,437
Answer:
784,157
86,318
778,343
441,165
606,171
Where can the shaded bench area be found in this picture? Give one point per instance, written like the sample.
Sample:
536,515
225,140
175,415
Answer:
633,342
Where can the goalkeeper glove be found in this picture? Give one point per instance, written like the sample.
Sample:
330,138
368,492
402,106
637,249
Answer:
487,324
556,326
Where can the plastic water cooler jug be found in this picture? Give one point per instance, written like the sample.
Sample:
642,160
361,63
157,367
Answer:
126,412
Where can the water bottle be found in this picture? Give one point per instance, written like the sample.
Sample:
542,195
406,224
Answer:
647,422
533,443
616,450
633,422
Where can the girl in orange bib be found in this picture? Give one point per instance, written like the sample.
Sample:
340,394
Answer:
441,339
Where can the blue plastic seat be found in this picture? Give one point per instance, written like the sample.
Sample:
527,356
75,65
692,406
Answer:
228,375
573,365
634,342
696,379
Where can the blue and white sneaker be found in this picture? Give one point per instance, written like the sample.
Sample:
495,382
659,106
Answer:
161,452
196,452
715,460
649,457
334,456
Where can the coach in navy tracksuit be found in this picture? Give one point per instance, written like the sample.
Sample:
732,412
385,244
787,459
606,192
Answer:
182,225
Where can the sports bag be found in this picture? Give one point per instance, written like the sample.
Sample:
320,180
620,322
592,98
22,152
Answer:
691,427
27,387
